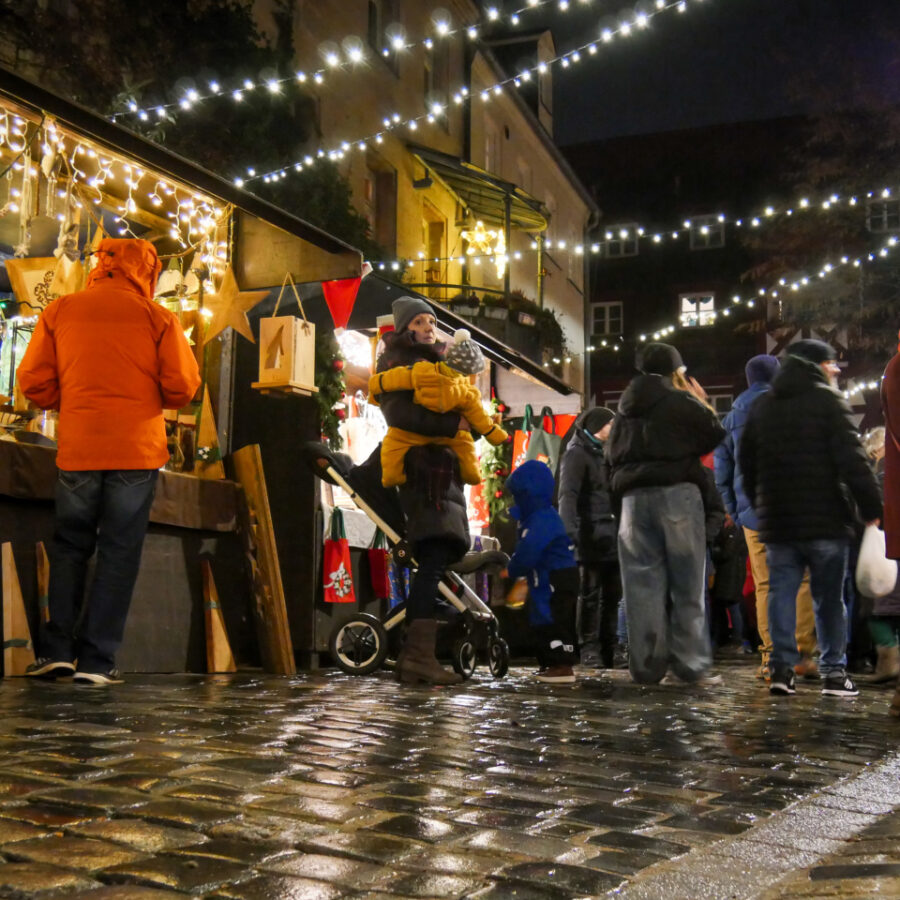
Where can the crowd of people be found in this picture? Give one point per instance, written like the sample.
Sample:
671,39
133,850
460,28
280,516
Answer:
666,532
798,485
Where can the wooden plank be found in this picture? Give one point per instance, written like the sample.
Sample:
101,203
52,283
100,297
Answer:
275,633
18,651
219,657
43,580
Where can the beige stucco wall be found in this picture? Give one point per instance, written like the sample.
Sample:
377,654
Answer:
353,107
521,157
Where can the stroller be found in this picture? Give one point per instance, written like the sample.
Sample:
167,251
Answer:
364,643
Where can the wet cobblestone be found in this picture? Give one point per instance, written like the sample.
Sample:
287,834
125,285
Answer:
328,786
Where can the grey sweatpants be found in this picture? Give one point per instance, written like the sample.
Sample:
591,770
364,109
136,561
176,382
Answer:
662,553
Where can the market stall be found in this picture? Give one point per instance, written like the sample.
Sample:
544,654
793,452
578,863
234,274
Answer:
301,506
69,178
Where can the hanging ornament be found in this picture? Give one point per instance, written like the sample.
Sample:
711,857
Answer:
229,306
340,295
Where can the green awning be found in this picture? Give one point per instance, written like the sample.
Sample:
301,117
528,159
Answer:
483,193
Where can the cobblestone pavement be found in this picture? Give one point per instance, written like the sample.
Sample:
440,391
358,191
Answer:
249,787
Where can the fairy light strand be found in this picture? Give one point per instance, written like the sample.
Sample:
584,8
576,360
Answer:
395,121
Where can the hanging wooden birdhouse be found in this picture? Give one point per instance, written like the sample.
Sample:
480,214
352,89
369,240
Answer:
287,351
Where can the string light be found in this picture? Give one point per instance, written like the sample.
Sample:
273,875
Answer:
96,176
400,44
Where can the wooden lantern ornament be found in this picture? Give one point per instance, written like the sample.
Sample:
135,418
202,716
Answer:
287,350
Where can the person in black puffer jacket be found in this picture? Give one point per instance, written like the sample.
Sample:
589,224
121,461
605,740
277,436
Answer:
432,499
586,510
658,436
803,466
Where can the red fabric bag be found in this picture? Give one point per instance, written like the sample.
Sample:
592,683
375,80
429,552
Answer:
379,566
337,577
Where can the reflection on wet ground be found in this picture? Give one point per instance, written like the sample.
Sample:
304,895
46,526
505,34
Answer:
332,786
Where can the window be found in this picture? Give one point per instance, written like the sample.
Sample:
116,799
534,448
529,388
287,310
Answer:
621,240
606,318
697,309
380,195
491,148
707,233
437,78
883,215
382,14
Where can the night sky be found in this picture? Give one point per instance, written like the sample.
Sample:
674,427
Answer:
722,61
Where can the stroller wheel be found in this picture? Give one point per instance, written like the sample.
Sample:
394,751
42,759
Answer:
464,657
498,657
359,645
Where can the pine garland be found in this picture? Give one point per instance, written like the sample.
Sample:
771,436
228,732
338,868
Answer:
495,463
330,382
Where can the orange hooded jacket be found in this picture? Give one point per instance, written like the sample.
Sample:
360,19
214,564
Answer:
110,360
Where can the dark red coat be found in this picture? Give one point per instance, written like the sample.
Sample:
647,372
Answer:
890,402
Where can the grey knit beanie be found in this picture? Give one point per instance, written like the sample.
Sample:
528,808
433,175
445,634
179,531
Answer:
465,355
405,309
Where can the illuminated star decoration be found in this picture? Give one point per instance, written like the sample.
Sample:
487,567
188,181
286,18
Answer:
479,239
229,306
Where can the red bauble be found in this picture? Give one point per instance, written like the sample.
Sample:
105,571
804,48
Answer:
498,473
341,414
502,473
338,365
498,494
509,439
502,407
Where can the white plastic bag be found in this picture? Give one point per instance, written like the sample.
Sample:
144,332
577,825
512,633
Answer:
876,575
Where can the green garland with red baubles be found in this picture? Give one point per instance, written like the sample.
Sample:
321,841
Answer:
332,390
495,468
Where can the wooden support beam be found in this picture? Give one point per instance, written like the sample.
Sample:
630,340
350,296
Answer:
18,651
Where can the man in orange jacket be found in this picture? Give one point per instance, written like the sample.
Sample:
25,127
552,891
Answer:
110,360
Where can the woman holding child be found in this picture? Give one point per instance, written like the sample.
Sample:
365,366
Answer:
431,493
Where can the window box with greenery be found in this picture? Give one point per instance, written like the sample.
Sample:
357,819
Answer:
465,305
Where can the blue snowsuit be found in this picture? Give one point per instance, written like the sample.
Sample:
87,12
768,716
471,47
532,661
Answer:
545,555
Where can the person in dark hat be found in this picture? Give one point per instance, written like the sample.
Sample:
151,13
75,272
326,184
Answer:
760,370
431,495
586,510
658,436
801,455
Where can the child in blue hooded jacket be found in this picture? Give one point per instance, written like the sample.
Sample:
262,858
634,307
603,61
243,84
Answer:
545,556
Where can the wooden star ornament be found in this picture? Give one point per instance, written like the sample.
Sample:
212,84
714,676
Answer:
229,306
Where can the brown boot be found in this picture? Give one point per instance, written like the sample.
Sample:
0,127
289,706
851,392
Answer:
417,661
888,666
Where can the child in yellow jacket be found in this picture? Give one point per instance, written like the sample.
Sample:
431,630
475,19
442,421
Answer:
441,387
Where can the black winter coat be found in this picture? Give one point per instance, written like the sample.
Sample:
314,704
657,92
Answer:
803,461
432,497
584,502
658,437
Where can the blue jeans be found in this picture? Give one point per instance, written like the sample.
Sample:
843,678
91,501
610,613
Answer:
106,511
826,560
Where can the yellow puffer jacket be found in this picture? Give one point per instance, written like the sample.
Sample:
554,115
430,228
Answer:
441,389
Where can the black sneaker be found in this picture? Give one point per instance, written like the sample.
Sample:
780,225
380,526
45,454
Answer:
112,676
839,686
782,681
49,669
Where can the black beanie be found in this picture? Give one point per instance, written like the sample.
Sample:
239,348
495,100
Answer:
659,359
596,417
812,351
